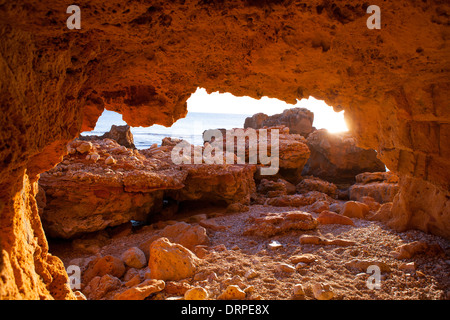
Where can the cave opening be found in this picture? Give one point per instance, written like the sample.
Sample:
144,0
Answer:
205,111
220,110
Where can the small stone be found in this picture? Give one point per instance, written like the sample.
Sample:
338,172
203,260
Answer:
363,265
304,258
201,251
411,266
110,160
274,245
133,281
79,295
322,291
94,157
104,265
212,224
196,293
251,273
71,150
98,287
310,239
298,290
284,267
407,251
130,274
232,292
328,217
134,258
249,289
420,273
141,291
178,288
355,209
220,247
84,147
300,265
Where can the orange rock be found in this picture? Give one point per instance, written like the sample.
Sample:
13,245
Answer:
355,209
295,200
141,291
310,239
336,157
196,293
329,217
185,234
102,266
98,287
171,261
317,184
409,250
232,292
274,223
177,288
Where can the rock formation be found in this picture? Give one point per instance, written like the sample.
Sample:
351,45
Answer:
336,157
143,61
298,120
121,134
381,186
292,150
101,184
105,185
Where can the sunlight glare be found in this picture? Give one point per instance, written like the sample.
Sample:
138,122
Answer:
324,115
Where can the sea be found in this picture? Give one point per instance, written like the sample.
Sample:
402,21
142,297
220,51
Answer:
189,128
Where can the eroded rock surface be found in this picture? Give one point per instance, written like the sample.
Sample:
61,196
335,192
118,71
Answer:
298,120
143,62
105,185
337,158
381,186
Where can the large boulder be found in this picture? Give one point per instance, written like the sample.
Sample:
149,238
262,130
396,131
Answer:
381,186
293,152
171,261
101,184
336,158
225,184
121,134
298,120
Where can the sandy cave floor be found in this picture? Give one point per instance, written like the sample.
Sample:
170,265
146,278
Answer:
231,255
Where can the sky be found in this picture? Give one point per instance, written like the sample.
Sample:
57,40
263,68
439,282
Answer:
324,115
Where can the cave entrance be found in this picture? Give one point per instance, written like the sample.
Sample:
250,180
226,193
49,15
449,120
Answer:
206,111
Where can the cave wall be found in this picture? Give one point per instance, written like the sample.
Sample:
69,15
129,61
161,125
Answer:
144,59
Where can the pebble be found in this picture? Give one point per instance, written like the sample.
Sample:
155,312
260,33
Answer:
110,160
196,293
284,267
232,292
134,258
298,290
411,266
274,245
250,274
322,291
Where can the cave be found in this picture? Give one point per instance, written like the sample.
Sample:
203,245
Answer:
144,59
